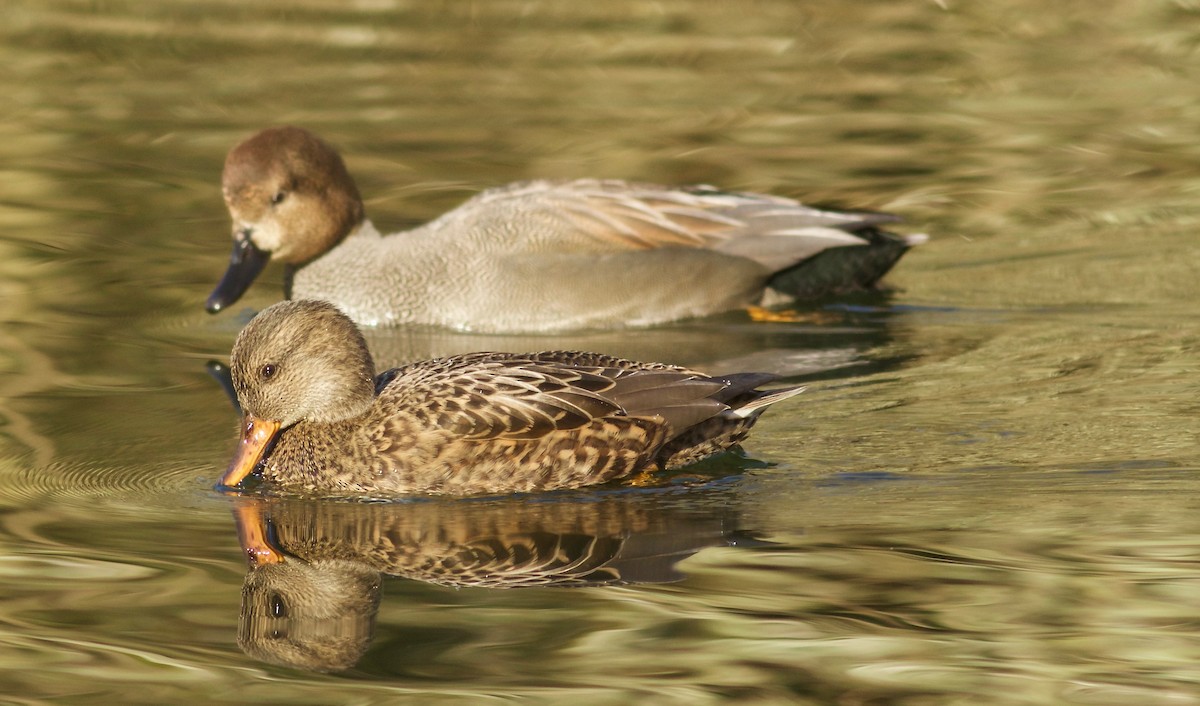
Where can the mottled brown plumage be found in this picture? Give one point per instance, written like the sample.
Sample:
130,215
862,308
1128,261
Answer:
314,585
475,423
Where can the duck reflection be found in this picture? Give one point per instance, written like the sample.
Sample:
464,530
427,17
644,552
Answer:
311,595
828,342
814,339
830,339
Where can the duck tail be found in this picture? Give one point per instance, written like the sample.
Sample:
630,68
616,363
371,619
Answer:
841,270
754,403
743,404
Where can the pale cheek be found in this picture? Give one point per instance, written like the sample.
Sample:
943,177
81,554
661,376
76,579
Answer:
332,400
322,401
266,230
267,235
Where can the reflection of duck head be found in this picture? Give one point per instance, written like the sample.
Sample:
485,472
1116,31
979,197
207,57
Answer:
310,598
315,615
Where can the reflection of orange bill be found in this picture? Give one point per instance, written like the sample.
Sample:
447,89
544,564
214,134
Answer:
256,435
252,533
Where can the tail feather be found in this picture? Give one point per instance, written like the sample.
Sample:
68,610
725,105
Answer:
755,405
846,269
743,402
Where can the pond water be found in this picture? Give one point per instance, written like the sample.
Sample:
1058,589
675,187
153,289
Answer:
989,493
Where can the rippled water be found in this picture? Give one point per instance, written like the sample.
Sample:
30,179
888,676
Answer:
988,494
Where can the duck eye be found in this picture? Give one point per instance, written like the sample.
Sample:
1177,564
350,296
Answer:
277,606
278,197
268,371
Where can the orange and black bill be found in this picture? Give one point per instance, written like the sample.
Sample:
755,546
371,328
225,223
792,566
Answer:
256,437
254,533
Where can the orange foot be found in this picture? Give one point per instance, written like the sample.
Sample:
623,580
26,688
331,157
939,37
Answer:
758,313
644,479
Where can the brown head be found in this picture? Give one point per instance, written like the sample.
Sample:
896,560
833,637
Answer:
296,361
291,199
318,615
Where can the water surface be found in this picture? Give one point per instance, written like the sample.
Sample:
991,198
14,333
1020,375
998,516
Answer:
986,496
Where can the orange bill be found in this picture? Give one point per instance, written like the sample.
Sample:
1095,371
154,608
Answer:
256,436
254,534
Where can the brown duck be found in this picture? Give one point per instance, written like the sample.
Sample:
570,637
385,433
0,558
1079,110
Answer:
312,593
320,421
537,255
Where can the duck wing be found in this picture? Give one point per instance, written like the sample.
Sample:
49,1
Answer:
592,215
522,397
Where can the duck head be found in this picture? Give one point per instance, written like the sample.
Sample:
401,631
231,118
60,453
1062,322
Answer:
296,361
291,199
318,616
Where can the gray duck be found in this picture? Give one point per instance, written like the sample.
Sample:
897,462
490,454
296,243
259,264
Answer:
540,255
